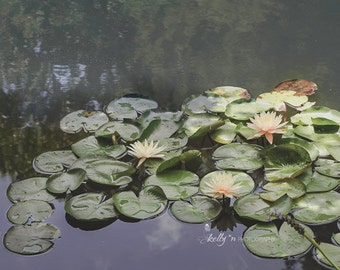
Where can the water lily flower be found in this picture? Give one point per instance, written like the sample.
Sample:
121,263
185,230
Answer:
145,150
266,123
222,184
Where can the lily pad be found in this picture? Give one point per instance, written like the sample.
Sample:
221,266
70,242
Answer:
238,156
53,161
244,181
127,107
90,207
254,207
180,159
285,161
306,117
32,210
201,124
126,131
317,208
310,147
265,240
229,92
224,134
328,167
159,129
198,209
201,104
31,239
292,187
177,184
110,172
87,120
29,189
150,202
244,109
320,183
62,182
91,146
332,251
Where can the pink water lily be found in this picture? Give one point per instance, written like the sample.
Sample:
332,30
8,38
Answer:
266,123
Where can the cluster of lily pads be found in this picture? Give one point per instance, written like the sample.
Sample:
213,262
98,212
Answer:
225,155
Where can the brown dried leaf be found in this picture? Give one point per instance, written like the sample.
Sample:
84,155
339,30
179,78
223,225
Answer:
301,87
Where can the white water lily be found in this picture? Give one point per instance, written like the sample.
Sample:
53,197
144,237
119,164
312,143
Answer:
145,150
266,123
222,184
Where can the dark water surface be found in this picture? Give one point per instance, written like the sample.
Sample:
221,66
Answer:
61,56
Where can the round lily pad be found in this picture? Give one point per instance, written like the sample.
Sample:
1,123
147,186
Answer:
332,251
110,172
245,108
316,208
150,202
198,209
32,210
224,134
265,240
53,161
177,184
238,156
61,182
31,239
91,146
200,124
126,131
294,188
90,207
87,120
306,116
29,189
254,207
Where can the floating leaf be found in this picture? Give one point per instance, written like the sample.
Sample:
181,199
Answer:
292,187
90,207
231,93
238,156
201,124
202,104
244,182
310,147
324,125
332,251
29,189
150,202
285,161
53,161
87,120
199,209
320,183
159,129
32,210
91,146
127,107
306,117
181,159
328,167
61,182
31,239
178,184
316,208
265,240
224,134
110,172
254,207
244,109
127,132
278,100
299,86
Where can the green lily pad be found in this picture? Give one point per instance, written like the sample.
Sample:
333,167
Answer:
159,129
336,238
29,189
306,116
127,132
224,134
230,93
87,120
31,239
70,180
180,159
310,147
332,251
254,207
150,202
177,184
244,109
292,187
201,124
91,146
199,209
53,161
324,125
32,210
90,207
317,208
244,182
265,240
320,183
278,99
285,161
127,107
238,156
202,103
328,167
110,172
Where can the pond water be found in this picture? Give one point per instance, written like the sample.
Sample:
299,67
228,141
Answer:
61,56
